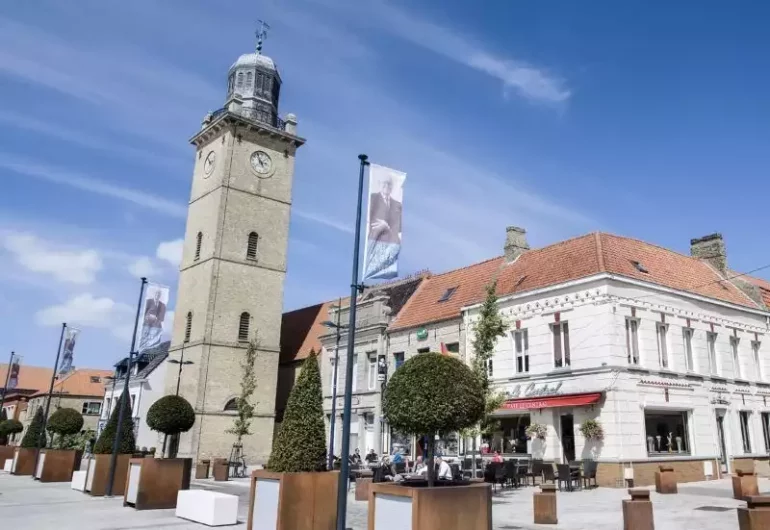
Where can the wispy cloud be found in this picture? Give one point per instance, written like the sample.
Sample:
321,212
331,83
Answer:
87,310
36,255
324,220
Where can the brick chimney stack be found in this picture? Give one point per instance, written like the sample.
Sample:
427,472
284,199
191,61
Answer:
711,249
515,243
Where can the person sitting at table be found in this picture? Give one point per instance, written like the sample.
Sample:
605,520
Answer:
444,471
383,472
496,457
371,457
355,458
397,456
419,467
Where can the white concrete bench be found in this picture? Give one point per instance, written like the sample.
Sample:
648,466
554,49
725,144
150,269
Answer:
79,480
208,507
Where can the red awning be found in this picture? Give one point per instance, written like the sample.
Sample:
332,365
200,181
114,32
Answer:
571,400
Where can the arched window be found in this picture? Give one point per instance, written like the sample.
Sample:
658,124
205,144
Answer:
243,326
232,404
188,327
230,83
251,247
239,83
198,241
249,78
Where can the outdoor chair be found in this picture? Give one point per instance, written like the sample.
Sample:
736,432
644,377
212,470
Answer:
522,474
400,468
565,476
589,473
537,471
510,472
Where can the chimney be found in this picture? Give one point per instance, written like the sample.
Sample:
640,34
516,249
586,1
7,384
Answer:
515,243
710,249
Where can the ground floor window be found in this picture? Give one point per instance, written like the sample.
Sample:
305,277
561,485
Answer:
766,430
448,445
400,441
744,416
666,432
512,436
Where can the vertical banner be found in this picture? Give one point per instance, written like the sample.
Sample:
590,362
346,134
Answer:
68,350
13,376
383,231
152,316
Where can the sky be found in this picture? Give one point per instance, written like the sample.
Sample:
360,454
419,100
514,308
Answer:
647,119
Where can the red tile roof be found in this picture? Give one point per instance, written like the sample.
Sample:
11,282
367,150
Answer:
762,285
81,382
562,262
301,331
30,377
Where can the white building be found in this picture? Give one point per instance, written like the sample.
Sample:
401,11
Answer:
145,386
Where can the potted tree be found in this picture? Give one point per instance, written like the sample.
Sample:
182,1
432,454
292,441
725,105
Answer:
57,465
153,483
429,395
98,467
33,440
8,428
296,490
245,411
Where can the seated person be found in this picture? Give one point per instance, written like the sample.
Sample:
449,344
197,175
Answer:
444,470
355,458
419,467
384,472
397,457
371,457
497,457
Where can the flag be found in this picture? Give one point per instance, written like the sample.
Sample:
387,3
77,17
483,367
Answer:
13,372
383,230
68,350
153,316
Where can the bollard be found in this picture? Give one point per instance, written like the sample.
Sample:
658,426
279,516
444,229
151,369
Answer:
544,503
756,514
665,480
637,511
745,485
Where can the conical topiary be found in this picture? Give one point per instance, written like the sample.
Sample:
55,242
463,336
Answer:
127,443
34,437
301,441
3,436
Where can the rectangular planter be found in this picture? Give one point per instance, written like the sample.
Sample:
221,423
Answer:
98,474
220,469
6,453
23,461
153,483
422,508
286,501
57,465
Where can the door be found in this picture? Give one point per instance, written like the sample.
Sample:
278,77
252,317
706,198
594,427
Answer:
568,437
722,447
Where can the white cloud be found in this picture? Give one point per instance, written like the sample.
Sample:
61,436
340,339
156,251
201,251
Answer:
66,265
171,251
143,267
324,220
86,310
168,325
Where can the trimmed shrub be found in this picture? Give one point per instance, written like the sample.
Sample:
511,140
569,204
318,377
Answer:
106,440
64,421
35,437
9,427
301,441
171,415
3,418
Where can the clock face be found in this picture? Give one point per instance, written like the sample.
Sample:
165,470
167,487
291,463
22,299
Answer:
209,164
261,163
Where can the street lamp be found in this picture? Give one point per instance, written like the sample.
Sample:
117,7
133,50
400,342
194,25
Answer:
181,362
337,327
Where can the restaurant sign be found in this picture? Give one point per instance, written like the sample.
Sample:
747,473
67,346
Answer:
533,390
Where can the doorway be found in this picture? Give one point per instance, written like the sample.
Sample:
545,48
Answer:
568,437
722,446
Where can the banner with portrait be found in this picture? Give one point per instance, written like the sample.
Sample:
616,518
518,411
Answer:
152,316
13,372
383,229
68,350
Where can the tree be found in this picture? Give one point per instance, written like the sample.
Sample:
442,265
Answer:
10,427
242,421
3,418
433,394
171,415
106,440
34,437
301,442
64,422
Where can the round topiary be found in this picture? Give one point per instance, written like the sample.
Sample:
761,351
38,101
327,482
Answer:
65,421
9,427
171,415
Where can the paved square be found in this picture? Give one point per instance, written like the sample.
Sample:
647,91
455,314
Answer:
27,504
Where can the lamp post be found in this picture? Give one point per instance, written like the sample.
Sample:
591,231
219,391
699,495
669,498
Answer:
7,378
342,490
43,439
332,427
181,362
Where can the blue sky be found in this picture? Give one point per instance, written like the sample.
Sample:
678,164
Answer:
645,119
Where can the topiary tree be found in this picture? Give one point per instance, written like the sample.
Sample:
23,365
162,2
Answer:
301,442
64,421
171,415
106,439
433,394
3,418
10,427
35,437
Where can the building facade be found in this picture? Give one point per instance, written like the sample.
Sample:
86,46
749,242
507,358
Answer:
234,260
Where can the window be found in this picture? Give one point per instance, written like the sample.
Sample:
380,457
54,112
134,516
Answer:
662,344
400,442
687,336
666,431
447,294
744,417
711,342
232,405
371,375
514,436
96,379
398,359
249,78
133,401
239,82
354,383
423,350
92,407
736,359
453,347
331,372
188,327
243,327
755,346
490,369
107,406
251,247
560,332
448,445
766,430
198,241
230,82
521,349
632,340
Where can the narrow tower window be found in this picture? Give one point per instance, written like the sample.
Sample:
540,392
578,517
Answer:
198,241
188,327
243,326
239,82
249,79
251,247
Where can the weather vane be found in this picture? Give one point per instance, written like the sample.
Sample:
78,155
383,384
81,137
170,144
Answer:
261,34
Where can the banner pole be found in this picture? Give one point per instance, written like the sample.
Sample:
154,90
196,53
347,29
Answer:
50,393
124,395
7,378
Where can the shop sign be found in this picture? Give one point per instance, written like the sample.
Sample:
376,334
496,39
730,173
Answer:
533,390
422,334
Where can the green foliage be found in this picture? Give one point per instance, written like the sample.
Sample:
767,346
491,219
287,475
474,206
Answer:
537,430
3,418
79,440
65,421
242,421
301,441
592,430
9,427
106,440
35,437
171,415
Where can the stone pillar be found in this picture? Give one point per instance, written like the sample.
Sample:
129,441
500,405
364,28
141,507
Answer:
544,504
637,511
665,480
756,514
744,484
